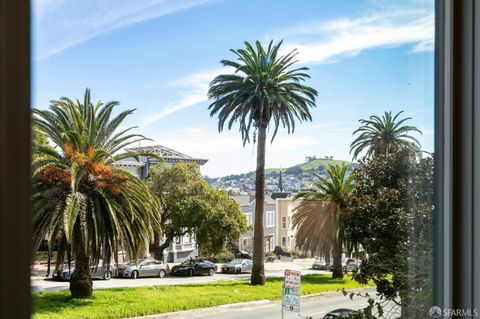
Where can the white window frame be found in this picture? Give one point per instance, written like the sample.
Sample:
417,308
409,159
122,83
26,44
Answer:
270,218
249,219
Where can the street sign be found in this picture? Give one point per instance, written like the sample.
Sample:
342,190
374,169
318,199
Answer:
291,291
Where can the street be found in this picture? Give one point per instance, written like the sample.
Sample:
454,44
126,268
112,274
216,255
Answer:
40,283
315,307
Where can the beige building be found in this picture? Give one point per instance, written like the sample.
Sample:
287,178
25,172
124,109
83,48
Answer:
286,234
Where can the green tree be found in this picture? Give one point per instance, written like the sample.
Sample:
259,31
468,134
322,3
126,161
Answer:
319,216
391,216
82,201
263,92
383,135
191,206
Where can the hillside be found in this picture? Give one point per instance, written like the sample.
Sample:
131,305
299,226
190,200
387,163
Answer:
309,166
294,178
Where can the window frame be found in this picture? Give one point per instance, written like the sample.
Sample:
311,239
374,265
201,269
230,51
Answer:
457,148
270,218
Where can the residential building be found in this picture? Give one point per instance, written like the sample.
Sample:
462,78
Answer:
286,233
247,205
181,247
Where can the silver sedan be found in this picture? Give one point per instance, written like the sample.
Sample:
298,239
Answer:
237,266
143,268
97,272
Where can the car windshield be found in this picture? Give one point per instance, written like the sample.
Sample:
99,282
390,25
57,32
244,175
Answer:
236,261
188,263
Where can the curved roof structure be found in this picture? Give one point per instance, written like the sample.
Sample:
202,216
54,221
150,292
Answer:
170,156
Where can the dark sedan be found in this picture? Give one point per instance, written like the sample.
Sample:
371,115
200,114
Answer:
343,313
192,267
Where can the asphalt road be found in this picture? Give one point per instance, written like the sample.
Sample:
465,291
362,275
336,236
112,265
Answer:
315,307
40,283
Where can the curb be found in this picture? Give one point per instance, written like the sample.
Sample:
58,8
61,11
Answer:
193,313
200,311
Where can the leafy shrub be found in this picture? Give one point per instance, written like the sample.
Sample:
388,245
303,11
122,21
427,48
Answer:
222,257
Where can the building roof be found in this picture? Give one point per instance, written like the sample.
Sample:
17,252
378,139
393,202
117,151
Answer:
170,156
242,199
276,195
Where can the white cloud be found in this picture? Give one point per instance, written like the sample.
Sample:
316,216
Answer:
341,38
59,24
193,88
346,37
227,155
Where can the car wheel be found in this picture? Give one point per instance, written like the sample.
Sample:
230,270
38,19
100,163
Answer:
238,271
107,275
162,274
190,273
134,275
211,272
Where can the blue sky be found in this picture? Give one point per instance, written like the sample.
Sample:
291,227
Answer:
158,56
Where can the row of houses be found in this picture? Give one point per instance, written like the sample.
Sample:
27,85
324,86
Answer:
278,207
278,229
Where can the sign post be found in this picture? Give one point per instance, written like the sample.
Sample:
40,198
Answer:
291,292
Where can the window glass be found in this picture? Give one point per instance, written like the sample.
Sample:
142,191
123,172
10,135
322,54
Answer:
332,102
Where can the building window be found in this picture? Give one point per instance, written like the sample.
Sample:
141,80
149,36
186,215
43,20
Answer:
284,222
270,219
187,239
284,241
249,218
177,240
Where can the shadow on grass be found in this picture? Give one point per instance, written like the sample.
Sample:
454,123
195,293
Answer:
45,302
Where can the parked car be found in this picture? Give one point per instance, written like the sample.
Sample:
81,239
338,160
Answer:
192,267
351,264
98,272
143,268
237,266
240,254
343,313
320,264
348,265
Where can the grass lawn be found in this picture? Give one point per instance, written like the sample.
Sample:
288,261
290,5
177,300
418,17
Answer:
131,302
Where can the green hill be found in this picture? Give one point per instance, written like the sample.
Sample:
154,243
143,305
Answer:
304,167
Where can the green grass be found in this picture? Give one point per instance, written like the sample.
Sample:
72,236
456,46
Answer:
312,165
131,302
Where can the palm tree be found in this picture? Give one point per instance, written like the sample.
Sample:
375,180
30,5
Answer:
82,202
263,92
318,216
382,135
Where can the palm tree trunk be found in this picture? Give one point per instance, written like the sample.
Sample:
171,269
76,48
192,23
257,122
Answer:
81,279
337,260
258,271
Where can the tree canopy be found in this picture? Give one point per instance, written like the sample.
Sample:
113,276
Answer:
318,217
391,216
191,206
383,135
263,92
81,201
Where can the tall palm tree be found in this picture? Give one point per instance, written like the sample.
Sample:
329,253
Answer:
263,92
318,216
82,202
382,135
